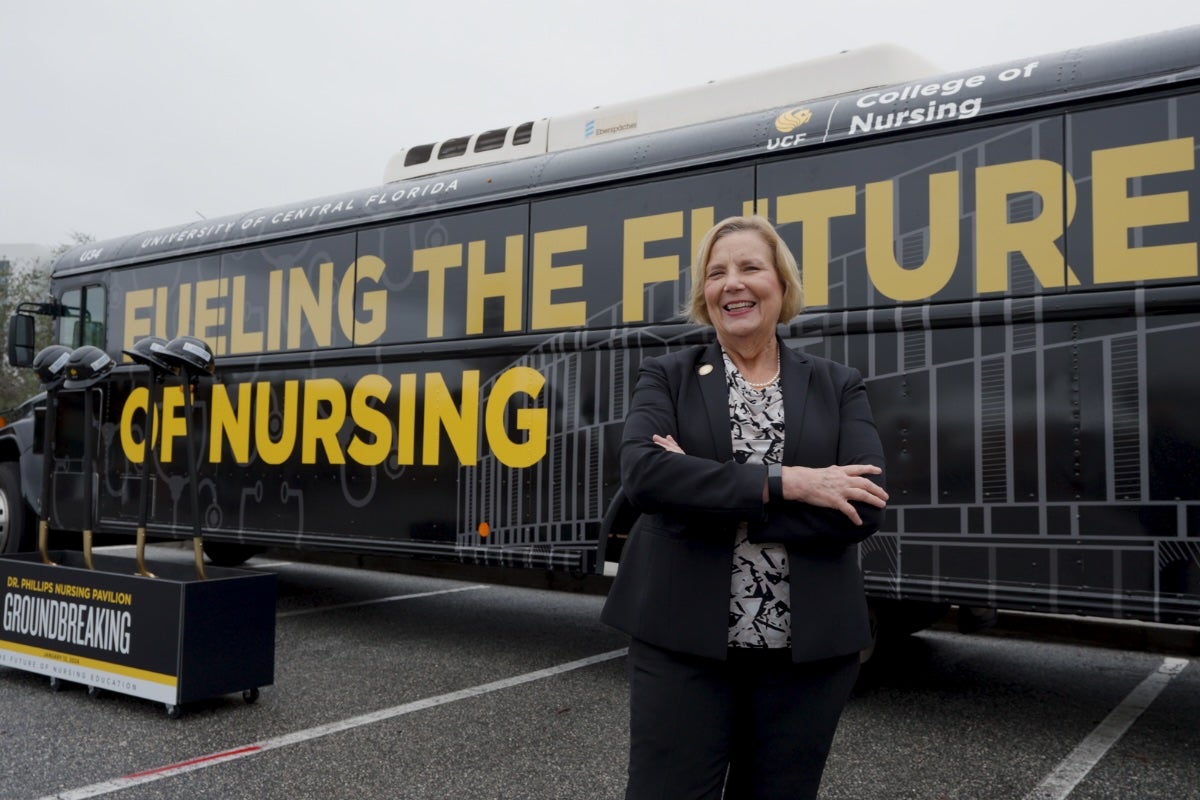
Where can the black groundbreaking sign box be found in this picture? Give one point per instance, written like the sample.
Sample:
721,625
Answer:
172,638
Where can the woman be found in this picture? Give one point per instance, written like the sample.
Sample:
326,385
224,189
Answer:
757,470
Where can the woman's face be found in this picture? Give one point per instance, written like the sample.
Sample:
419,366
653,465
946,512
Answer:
742,291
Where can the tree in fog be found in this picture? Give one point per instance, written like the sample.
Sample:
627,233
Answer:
26,281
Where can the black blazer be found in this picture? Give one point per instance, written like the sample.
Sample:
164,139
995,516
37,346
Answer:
672,588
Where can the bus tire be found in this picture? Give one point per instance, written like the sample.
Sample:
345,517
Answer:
15,531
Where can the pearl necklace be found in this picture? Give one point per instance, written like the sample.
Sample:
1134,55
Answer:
769,381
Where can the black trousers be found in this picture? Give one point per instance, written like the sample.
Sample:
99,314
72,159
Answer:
755,726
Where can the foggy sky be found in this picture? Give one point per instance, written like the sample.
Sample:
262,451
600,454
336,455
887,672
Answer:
133,115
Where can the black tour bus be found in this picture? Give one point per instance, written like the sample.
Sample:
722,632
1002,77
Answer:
438,367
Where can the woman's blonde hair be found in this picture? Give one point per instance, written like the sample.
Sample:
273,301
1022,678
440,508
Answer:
784,262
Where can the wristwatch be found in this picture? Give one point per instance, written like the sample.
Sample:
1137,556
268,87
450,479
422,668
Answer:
775,481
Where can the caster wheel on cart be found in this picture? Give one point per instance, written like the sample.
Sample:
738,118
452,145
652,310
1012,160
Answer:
250,695
56,685
174,712
94,691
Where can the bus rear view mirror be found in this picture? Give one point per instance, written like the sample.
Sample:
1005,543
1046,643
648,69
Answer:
20,340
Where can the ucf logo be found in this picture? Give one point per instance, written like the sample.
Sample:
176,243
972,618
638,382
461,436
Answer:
787,123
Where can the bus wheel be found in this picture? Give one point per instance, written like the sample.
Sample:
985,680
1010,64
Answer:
12,510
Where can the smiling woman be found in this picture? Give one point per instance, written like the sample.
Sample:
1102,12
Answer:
740,531
744,295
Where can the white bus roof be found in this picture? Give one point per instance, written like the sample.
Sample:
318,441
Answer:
847,71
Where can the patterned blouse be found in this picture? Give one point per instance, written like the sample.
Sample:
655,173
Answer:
760,595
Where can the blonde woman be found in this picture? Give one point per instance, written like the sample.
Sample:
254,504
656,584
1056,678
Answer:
757,470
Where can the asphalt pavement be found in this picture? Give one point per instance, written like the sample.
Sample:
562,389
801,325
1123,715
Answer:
395,685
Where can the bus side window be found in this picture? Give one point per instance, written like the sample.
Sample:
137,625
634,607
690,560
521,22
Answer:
83,317
68,324
93,321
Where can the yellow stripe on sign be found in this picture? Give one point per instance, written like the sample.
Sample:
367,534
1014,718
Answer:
91,663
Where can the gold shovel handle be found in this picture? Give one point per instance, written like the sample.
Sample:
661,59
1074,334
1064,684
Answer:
198,550
44,541
141,554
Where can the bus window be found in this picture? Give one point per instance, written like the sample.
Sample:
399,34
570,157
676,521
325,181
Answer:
453,147
491,140
83,317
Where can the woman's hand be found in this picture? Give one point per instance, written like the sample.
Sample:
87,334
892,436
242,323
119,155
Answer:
830,487
667,443
834,487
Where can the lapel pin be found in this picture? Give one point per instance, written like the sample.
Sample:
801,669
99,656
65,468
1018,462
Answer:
705,369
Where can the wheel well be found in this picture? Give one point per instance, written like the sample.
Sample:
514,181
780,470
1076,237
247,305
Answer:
230,554
8,449
899,618
16,518
10,453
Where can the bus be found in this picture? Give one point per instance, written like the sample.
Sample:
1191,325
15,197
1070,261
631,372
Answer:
437,368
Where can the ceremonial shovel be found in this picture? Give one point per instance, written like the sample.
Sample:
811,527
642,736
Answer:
86,366
148,353
51,366
194,358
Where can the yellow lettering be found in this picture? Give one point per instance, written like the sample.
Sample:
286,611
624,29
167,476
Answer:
1116,213
505,284
233,426
461,425
435,261
889,276
639,269
315,308
173,423
815,210
160,313
366,268
996,236
406,423
275,451
208,316
702,221
547,279
135,402
530,420
240,339
371,420
184,326
323,429
274,309
136,327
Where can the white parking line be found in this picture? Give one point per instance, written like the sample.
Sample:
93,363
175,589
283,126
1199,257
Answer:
412,596
301,612
1072,769
202,762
